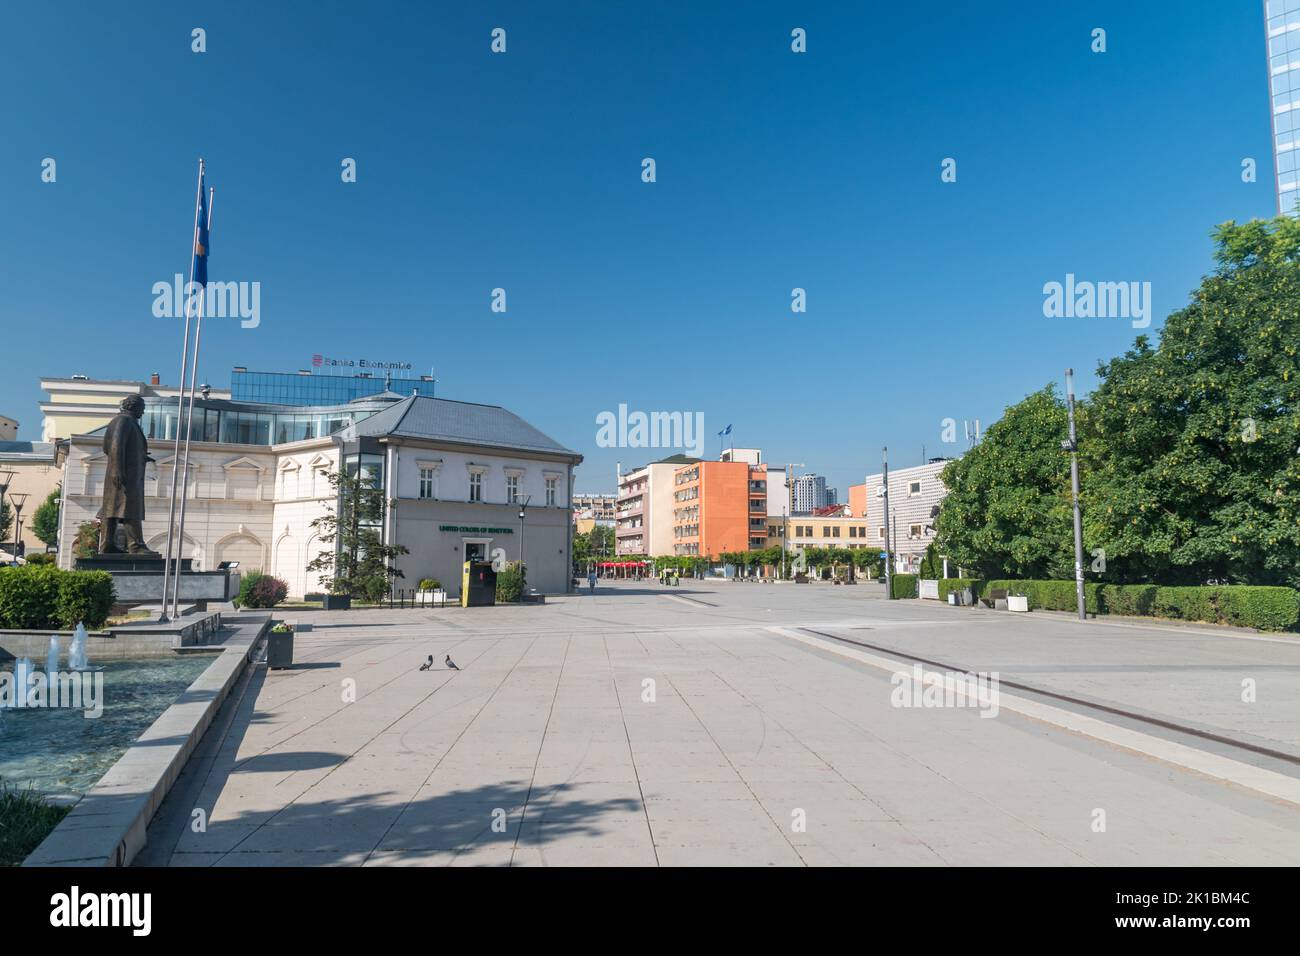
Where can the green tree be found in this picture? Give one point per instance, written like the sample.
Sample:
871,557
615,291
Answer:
356,561
45,520
1190,468
1008,511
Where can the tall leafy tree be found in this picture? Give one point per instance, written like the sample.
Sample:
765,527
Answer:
1008,510
355,561
45,520
1190,460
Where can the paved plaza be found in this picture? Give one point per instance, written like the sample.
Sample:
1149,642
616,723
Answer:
724,724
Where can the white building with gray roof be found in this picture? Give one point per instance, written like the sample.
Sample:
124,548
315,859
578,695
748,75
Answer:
456,476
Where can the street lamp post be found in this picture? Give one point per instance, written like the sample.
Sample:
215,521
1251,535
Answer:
522,508
19,501
889,551
6,479
1072,446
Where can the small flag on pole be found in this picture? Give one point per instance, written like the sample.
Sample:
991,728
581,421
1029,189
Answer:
725,431
201,235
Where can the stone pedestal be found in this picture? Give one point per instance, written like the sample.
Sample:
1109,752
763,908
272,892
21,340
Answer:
138,579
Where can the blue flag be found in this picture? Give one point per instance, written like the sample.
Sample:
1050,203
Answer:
201,235
725,431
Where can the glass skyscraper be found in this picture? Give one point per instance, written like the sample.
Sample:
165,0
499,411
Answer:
1282,22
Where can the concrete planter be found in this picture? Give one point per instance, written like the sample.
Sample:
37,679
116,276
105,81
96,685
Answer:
1017,602
336,602
435,598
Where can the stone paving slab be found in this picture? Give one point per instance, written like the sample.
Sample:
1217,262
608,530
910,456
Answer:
625,729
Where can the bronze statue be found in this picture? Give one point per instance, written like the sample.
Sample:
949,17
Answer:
127,452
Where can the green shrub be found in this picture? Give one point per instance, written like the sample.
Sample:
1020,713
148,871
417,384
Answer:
1051,595
40,557
257,589
948,585
1135,600
902,586
37,597
25,820
84,597
510,584
1265,608
28,597
430,584
247,581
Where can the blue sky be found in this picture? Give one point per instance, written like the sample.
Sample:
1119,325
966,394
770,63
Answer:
522,171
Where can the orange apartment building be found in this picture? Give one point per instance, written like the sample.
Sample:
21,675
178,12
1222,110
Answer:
719,506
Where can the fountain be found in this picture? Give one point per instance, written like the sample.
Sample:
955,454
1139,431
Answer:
22,680
52,657
77,660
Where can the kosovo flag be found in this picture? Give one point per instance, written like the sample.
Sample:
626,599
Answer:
201,235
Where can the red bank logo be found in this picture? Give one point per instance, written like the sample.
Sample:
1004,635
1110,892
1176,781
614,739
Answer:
316,360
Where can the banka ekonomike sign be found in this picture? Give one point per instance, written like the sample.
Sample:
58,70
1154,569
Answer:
326,361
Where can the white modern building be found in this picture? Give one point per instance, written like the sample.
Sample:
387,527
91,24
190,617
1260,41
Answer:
456,477
914,498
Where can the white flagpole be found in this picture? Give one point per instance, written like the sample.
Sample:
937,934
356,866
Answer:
189,420
185,354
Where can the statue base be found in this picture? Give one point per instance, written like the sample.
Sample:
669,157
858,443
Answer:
125,561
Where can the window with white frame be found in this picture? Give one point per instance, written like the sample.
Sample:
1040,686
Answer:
476,486
552,491
512,489
427,475
913,489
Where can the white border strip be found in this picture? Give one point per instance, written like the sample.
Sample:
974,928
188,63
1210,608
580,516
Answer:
1268,782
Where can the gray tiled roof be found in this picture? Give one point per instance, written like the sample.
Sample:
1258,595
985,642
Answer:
440,419
27,450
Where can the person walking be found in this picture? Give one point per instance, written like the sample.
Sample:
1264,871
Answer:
591,580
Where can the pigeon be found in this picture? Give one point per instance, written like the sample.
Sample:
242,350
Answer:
427,664
451,663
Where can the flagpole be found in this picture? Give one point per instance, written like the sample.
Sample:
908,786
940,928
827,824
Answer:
185,354
189,422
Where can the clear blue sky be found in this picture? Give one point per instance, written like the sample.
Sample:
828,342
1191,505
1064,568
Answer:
522,171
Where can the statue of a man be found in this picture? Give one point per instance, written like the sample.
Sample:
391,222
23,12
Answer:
127,452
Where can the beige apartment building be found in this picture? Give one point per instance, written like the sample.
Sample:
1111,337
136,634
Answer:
29,471
644,513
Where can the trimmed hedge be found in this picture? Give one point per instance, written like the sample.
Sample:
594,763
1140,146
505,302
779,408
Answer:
40,597
1241,605
902,586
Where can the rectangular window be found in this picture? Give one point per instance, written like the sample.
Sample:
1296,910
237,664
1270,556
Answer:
914,531
551,484
475,486
426,482
881,534
512,488
835,532
914,489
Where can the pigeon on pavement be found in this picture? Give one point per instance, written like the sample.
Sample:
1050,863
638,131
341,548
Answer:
427,664
451,663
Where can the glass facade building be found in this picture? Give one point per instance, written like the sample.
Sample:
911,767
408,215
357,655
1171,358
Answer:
1282,23
235,423
303,388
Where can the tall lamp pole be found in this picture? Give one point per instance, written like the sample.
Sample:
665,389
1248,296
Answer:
889,551
1072,446
19,501
6,479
